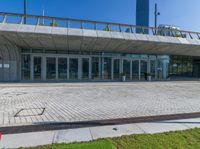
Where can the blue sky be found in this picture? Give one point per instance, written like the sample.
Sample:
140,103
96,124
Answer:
183,13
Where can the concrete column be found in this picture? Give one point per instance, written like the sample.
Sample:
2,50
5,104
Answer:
120,66
148,66
131,70
43,71
139,70
90,68
112,69
100,68
156,69
32,67
80,68
68,68
56,68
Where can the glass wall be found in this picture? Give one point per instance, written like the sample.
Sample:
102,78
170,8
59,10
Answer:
95,68
107,68
182,66
127,68
73,68
116,69
62,68
143,70
85,68
37,68
51,68
25,67
135,69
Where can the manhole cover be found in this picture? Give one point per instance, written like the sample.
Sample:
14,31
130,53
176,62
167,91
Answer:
30,112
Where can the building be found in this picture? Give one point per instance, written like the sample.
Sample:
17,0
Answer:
61,49
142,14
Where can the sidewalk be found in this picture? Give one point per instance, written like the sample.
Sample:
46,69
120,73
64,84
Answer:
93,133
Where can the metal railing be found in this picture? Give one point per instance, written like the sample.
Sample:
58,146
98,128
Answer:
93,25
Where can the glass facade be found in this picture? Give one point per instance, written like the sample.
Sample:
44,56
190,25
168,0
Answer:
25,67
51,68
106,66
73,68
62,68
37,68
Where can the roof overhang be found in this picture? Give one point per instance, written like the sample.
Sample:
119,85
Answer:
58,38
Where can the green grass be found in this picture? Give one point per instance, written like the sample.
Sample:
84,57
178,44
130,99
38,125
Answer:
188,139
100,144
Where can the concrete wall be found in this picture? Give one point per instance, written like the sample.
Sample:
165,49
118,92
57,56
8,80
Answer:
9,63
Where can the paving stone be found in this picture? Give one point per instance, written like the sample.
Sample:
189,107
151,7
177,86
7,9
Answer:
115,131
73,135
69,102
27,139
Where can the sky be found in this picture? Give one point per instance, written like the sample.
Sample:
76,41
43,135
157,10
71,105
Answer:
182,13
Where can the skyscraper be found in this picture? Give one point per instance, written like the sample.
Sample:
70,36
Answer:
142,13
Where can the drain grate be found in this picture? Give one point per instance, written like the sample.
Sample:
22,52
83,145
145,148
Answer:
25,112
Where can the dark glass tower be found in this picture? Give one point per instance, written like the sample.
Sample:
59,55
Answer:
142,13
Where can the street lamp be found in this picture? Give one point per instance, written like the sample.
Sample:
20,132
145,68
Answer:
24,11
156,13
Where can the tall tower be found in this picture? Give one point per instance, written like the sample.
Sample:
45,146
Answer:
142,13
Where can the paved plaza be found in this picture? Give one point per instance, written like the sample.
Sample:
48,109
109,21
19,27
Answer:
38,103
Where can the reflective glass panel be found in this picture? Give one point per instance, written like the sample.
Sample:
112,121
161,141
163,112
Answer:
73,68
37,68
135,70
25,67
85,68
116,69
143,70
62,68
107,68
51,68
95,68
127,68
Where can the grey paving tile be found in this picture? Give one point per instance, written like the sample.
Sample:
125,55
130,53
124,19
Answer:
27,139
73,135
114,131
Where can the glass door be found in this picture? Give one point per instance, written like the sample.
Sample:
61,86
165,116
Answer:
127,68
85,69
37,65
135,70
153,69
107,68
116,69
143,70
51,68
95,68
62,68
73,68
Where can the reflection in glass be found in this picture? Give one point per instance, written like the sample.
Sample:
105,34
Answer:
37,68
62,68
95,68
153,69
85,68
25,67
143,70
126,68
135,70
163,68
73,68
107,68
51,68
116,71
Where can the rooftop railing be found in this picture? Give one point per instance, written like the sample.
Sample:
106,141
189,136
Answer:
15,18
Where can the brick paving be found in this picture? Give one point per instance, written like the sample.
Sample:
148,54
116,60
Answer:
23,103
